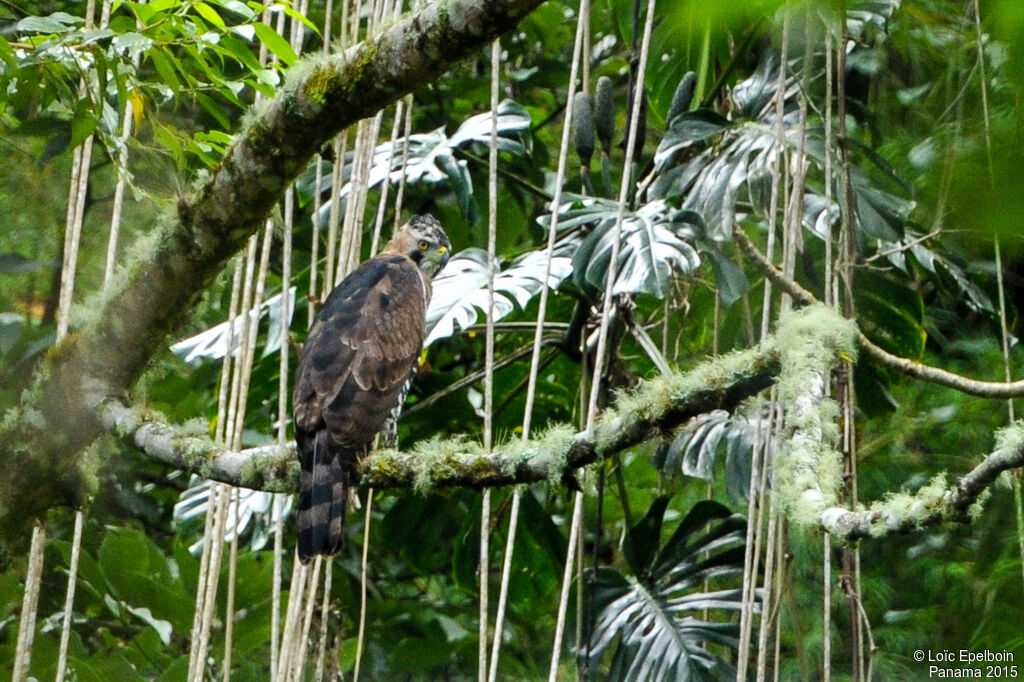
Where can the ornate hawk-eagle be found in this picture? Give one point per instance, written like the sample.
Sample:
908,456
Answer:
355,370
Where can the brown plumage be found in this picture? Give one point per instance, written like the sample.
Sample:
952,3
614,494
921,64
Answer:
354,369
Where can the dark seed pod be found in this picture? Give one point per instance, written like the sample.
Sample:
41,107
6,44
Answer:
683,96
583,121
604,112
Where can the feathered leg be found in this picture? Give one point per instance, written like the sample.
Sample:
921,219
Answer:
323,494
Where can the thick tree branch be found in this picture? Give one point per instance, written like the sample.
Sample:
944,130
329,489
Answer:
126,325
936,375
657,407
798,358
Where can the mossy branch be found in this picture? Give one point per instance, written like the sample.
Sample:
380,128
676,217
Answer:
798,358
935,503
808,471
657,407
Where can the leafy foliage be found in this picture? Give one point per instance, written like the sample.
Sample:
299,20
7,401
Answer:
722,168
696,446
461,289
648,614
430,158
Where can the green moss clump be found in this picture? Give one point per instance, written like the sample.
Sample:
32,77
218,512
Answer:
818,331
915,508
270,470
550,450
320,80
808,473
440,458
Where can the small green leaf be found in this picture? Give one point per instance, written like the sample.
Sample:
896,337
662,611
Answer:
162,61
732,282
162,627
275,43
239,50
214,109
239,8
298,16
208,13
57,22
83,124
132,43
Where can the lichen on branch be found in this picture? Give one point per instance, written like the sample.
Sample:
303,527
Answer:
937,501
808,471
656,408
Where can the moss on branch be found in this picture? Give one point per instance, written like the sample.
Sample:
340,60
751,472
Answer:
936,502
655,409
799,358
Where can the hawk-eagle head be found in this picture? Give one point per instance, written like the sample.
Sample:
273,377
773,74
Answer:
424,241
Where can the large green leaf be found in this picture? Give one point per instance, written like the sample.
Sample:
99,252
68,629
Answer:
656,241
430,157
722,168
696,448
649,618
642,540
461,288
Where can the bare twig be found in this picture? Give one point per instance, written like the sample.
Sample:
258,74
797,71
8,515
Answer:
936,375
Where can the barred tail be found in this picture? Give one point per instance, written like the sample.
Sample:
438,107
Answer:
323,495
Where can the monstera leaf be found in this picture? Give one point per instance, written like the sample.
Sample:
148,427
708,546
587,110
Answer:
653,618
697,446
255,512
461,288
721,168
430,157
656,241
212,344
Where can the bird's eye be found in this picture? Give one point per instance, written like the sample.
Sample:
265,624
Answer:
423,245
